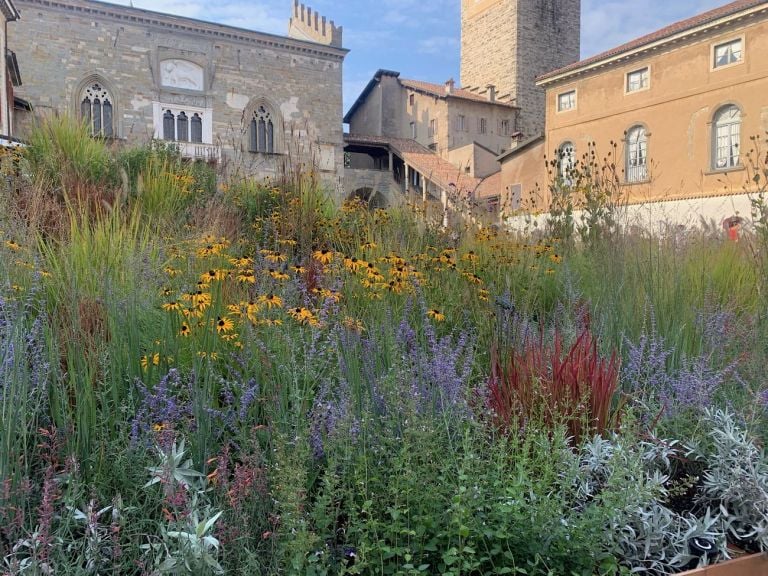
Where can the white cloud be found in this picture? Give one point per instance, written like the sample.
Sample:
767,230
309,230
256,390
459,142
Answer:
438,45
607,24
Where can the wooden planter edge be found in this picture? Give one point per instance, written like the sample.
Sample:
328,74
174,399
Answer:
752,565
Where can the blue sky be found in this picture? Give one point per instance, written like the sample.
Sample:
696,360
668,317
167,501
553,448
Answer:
421,38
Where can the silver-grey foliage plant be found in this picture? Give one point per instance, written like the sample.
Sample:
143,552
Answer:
736,480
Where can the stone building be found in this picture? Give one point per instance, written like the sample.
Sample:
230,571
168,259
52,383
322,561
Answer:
436,137
506,44
9,73
443,140
252,100
675,110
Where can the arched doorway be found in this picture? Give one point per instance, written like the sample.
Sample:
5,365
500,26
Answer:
372,197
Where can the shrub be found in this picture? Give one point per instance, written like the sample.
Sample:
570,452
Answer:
64,157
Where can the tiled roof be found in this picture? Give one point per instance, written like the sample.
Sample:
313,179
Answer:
366,139
432,166
438,90
678,27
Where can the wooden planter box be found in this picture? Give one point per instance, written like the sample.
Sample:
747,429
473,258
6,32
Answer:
752,565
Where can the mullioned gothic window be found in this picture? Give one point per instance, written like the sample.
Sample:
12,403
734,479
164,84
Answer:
97,110
181,127
261,131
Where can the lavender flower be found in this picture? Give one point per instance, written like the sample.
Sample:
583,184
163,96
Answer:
693,386
330,411
646,366
161,405
763,398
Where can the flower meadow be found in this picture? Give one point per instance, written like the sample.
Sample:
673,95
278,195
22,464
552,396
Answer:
206,374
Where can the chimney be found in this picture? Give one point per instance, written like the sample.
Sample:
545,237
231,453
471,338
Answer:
449,86
491,92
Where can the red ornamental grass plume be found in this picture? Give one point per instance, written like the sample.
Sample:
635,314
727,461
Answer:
575,389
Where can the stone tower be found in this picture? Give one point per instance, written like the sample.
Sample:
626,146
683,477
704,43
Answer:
508,43
308,25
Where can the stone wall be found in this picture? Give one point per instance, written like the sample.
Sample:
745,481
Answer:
225,75
508,43
489,46
548,36
379,182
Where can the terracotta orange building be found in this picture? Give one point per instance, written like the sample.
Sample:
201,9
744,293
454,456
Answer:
676,110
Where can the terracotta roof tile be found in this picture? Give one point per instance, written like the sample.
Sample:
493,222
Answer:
366,139
676,28
432,166
439,91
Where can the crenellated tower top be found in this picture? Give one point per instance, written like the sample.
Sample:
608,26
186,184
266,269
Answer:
307,24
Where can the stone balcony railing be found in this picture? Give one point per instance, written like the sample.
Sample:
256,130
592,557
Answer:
198,151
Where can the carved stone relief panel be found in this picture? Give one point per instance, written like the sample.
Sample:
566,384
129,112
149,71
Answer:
177,73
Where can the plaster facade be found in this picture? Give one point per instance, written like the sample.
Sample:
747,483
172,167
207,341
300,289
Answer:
693,74
148,65
438,117
451,136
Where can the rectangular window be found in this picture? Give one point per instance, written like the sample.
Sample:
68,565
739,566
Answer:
411,99
505,128
515,196
566,101
482,126
413,130
728,53
432,128
461,123
638,80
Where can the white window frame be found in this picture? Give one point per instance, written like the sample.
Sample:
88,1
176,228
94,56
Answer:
726,137
728,45
206,114
636,156
413,130
564,169
645,75
572,101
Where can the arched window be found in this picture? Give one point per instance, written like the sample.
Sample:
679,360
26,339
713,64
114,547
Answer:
197,128
566,156
261,131
726,137
96,109
636,169
182,127
169,126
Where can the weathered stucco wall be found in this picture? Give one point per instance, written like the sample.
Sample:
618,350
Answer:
677,110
